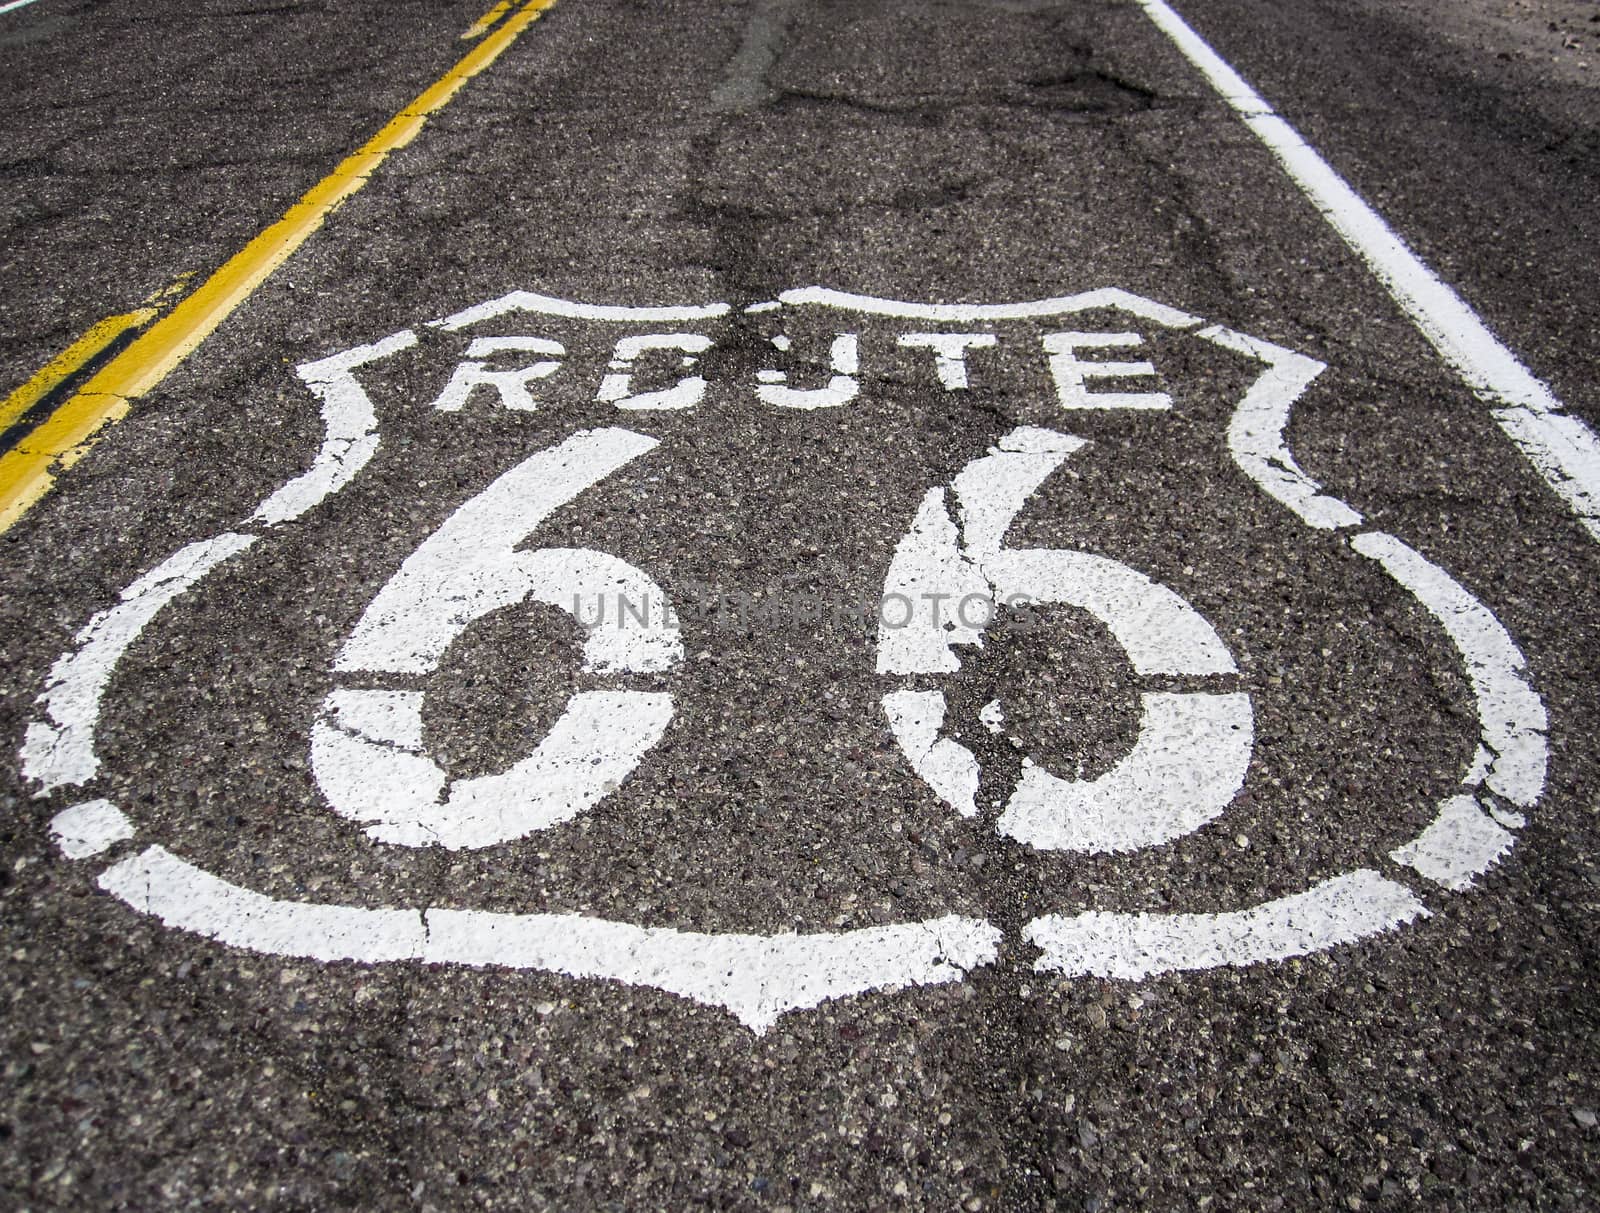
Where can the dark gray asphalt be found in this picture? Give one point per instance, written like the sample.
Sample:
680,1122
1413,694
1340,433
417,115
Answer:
684,152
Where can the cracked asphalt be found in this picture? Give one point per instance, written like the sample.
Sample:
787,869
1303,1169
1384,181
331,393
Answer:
685,152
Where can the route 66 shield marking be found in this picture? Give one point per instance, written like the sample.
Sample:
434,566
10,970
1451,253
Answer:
954,573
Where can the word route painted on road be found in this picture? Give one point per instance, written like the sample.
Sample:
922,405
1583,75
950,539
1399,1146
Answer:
1188,762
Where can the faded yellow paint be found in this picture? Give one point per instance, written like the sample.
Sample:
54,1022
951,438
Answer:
485,23
28,470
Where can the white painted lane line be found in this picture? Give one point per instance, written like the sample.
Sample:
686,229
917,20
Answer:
6,8
1562,448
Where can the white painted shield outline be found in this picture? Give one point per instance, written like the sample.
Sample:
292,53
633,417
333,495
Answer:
759,978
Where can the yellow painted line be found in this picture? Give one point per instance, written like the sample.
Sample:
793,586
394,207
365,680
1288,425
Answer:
28,470
485,23
68,363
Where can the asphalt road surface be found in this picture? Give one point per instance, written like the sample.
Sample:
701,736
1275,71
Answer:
799,605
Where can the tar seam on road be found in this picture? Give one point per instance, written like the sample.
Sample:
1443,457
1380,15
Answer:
28,470
1561,447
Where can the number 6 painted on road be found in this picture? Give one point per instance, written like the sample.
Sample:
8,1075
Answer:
366,747
1193,748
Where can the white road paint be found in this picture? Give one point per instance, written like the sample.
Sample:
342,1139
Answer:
512,386
1135,946
90,828
370,738
473,564
1506,817
1156,628
931,576
946,766
1563,449
937,568
1463,842
157,882
58,750
949,353
1459,845
1256,433
1510,713
617,387
1072,374
350,426
756,977
367,748
12,5
843,359
1185,768
993,488
992,716
1193,748
549,305
979,313
368,759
